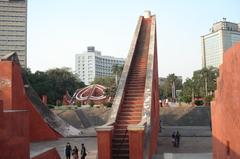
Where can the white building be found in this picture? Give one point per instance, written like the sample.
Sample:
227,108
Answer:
13,29
223,35
91,64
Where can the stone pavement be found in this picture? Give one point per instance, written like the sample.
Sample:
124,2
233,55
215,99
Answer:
184,156
187,145
89,142
187,131
195,143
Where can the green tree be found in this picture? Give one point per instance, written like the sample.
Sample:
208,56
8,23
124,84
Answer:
53,83
202,85
117,70
205,81
105,81
109,83
188,91
166,88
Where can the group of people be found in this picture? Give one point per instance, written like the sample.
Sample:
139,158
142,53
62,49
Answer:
74,152
176,139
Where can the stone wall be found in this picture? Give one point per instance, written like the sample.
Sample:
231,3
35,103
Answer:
226,108
14,133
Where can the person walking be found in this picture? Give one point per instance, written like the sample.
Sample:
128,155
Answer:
75,152
83,152
174,139
68,151
178,139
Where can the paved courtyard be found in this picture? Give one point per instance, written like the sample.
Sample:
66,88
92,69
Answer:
90,144
195,143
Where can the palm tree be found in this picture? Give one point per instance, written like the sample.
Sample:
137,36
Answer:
117,70
172,79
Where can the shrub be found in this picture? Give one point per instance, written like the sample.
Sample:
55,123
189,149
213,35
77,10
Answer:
91,103
108,105
78,103
50,106
58,103
198,102
208,99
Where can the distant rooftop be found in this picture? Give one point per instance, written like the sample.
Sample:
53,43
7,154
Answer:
225,25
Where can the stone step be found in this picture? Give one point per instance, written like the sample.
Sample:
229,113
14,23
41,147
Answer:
128,121
127,118
133,102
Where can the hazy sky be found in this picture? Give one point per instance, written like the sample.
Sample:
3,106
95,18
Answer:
59,29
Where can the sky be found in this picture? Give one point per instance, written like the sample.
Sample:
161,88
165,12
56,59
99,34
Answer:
59,29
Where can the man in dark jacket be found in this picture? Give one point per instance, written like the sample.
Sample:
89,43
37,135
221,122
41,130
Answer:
83,152
68,151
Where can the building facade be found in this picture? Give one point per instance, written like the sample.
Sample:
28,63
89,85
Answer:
223,35
91,64
13,29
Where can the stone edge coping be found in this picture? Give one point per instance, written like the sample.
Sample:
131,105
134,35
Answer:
136,128
36,153
104,128
10,111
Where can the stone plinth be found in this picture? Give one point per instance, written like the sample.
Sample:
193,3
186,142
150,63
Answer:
136,141
104,141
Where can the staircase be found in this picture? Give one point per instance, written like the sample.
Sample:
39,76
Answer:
132,105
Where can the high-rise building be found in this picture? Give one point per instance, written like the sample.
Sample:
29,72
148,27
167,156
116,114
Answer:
13,29
222,36
91,64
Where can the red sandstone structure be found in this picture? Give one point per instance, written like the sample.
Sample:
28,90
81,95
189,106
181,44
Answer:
132,129
226,108
17,94
23,116
94,93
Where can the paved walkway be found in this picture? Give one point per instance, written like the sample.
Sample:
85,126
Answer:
195,143
89,142
184,156
187,131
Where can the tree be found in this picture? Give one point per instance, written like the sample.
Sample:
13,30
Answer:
166,88
105,81
202,85
205,81
53,83
117,70
188,91
108,82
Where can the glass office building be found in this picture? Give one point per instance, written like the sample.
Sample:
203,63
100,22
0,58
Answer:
223,35
91,64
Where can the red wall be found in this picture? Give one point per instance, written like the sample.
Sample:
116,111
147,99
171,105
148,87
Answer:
14,97
226,108
51,154
14,135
